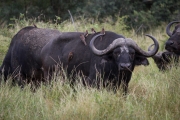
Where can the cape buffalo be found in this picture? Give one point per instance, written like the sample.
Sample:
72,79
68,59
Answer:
34,53
22,60
107,54
173,43
164,59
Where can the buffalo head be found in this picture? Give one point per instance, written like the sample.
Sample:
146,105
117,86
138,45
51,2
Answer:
125,52
173,43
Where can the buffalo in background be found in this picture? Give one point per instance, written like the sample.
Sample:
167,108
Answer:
173,43
22,61
35,53
165,59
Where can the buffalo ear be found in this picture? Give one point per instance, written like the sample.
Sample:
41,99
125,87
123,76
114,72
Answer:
141,60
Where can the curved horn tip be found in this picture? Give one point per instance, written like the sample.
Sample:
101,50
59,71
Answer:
149,36
175,22
168,32
156,46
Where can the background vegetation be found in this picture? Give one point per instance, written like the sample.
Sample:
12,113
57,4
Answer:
138,13
153,95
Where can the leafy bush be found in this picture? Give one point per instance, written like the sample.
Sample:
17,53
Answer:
148,14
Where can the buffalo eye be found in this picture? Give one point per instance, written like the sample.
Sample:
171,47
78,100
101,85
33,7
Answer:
116,54
131,55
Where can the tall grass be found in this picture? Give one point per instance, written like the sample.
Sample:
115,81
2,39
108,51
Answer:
152,95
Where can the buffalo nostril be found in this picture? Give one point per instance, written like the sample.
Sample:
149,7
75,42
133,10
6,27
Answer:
170,43
125,65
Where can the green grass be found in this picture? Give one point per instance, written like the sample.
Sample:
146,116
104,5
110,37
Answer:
152,95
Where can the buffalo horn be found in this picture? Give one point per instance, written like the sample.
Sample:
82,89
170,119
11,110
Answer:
156,56
124,41
149,48
169,26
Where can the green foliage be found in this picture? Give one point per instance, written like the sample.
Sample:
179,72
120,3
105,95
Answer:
166,10
138,13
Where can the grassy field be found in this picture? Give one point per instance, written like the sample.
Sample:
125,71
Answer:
152,95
